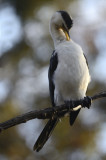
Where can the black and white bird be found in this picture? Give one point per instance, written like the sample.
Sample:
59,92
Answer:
68,72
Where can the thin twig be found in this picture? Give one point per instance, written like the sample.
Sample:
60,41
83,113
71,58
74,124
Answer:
47,113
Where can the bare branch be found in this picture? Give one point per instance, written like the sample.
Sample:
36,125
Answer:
58,111
99,95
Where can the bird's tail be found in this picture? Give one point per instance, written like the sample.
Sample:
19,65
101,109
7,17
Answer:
73,116
45,134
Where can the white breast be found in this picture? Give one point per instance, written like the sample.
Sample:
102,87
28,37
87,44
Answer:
71,77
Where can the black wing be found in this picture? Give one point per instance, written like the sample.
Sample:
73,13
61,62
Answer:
86,60
52,68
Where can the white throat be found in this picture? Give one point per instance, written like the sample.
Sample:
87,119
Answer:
57,35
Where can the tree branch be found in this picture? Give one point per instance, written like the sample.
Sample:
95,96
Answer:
58,111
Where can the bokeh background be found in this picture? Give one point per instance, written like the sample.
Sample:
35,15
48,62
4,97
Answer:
25,50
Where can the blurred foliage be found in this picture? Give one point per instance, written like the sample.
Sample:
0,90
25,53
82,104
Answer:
24,85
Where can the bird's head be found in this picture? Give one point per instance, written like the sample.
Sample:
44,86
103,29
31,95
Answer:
62,22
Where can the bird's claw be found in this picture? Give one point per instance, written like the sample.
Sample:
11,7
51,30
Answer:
86,102
69,104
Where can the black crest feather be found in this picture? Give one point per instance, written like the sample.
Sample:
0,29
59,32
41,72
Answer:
67,19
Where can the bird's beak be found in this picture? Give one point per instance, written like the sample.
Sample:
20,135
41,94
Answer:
66,34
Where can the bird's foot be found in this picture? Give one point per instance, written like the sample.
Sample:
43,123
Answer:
86,102
69,104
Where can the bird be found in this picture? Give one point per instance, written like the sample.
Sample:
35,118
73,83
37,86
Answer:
68,72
